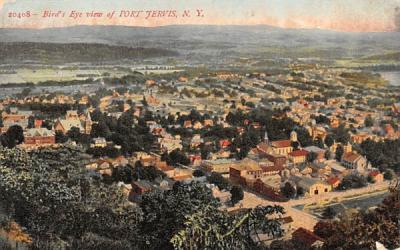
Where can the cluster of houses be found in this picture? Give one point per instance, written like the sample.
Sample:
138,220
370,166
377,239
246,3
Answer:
271,164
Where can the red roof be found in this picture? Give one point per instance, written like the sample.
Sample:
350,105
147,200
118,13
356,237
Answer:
299,153
282,143
374,173
350,157
333,180
224,143
306,236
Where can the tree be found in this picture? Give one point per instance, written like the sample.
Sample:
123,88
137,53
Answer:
328,154
329,140
368,122
123,173
362,230
339,153
217,179
288,190
63,189
300,191
214,229
329,213
389,174
311,157
370,179
60,137
319,143
198,173
341,134
74,133
166,212
352,181
12,137
237,194
177,157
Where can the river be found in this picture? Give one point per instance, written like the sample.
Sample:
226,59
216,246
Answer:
392,76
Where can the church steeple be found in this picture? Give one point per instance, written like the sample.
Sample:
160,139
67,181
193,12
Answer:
266,139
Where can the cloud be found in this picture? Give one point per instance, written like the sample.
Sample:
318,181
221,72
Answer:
397,18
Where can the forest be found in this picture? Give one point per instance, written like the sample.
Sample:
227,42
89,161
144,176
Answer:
74,52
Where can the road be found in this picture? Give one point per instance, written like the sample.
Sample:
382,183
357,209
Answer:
302,218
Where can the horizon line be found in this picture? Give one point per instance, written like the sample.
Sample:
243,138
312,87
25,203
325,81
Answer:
211,25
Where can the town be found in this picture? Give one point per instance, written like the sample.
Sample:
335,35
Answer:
311,139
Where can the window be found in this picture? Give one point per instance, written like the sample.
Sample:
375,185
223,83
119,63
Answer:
316,191
326,190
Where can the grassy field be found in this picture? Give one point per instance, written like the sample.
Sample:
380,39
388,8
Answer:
45,74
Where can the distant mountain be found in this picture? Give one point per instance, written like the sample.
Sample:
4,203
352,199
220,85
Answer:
75,52
209,39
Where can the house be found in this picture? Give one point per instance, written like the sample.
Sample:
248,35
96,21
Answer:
167,170
320,153
39,137
220,165
269,186
170,143
15,117
282,147
354,161
197,125
187,124
298,156
64,126
246,172
312,186
140,187
72,119
196,141
318,132
278,160
320,169
307,238
376,176
99,142
181,174
224,143
334,181
208,122
195,160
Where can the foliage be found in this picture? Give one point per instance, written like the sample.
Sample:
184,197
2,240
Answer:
288,190
311,157
165,212
329,213
218,180
53,184
214,229
383,154
198,173
361,230
76,52
352,181
339,153
237,194
12,137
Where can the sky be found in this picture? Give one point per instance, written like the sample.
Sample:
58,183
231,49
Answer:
342,15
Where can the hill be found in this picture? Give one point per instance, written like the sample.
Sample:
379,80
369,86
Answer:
218,41
74,52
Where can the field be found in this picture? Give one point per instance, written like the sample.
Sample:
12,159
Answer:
23,75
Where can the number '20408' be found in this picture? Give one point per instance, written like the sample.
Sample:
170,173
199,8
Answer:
19,14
